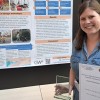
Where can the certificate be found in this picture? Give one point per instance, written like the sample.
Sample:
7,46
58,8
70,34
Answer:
89,79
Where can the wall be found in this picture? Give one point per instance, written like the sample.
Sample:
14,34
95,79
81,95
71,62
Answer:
20,77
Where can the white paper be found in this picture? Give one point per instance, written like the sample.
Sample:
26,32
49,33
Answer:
89,78
76,85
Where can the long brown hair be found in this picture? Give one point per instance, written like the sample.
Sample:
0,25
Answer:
81,35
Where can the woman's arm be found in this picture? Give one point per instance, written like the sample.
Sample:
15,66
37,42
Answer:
71,80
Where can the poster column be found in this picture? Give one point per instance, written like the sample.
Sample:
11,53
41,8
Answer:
15,34
53,31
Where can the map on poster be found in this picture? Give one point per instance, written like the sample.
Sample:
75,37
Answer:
35,32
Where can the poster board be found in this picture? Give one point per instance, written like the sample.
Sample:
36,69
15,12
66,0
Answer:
35,32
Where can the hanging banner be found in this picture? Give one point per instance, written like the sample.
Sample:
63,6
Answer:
35,32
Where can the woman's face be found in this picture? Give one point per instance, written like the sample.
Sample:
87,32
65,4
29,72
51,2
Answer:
90,21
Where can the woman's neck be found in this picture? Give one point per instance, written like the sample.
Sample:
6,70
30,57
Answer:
91,43
93,38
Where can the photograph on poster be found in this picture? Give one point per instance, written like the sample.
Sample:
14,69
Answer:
5,36
4,5
21,35
19,5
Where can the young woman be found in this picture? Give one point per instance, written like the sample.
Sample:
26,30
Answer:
86,45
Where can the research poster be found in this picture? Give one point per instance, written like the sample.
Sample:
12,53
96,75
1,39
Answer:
35,32
89,82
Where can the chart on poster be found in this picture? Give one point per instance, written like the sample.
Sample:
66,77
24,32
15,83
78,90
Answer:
35,32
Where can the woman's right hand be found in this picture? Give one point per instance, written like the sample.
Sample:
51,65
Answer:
60,89
70,89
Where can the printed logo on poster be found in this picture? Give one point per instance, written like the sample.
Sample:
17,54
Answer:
38,62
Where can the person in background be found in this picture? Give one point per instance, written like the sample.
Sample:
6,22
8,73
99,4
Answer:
86,45
18,36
